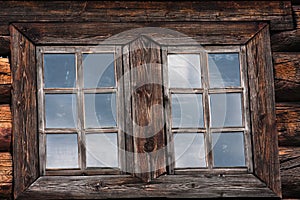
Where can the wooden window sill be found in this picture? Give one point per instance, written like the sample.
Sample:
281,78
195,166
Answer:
166,186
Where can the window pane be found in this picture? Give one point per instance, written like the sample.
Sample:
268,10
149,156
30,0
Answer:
228,149
59,70
187,110
224,70
100,110
226,110
189,150
98,70
60,110
102,150
62,151
184,71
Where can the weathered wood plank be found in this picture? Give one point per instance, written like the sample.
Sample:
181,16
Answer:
147,107
128,125
288,123
24,112
5,175
171,186
4,45
122,33
279,13
290,171
5,128
288,41
287,76
262,107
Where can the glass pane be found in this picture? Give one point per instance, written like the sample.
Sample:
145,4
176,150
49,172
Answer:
226,110
228,149
224,70
102,150
60,110
184,70
187,110
98,70
189,150
62,151
100,110
59,70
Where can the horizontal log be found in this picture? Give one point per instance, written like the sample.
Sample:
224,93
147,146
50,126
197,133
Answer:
279,13
5,127
5,136
5,113
5,79
5,175
5,73
287,76
4,45
288,41
288,123
290,171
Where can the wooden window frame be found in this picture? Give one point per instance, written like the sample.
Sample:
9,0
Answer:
28,182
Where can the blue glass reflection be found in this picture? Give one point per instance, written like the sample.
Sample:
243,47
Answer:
59,70
98,70
228,149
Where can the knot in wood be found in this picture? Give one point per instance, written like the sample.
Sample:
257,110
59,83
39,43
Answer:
149,145
98,185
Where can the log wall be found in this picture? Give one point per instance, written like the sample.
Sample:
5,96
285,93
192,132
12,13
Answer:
284,18
5,130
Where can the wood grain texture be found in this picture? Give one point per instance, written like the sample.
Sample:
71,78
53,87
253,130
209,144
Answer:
5,128
24,112
290,171
172,186
287,76
288,123
5,175
296,15
128,125
4,45
5,94
287,41
5,74
262,110
279,13
147,108
182,33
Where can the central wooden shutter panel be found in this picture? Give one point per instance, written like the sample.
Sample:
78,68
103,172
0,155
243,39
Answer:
144,65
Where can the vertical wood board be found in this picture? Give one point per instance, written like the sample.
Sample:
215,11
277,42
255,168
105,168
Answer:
147,105
24,112
262,106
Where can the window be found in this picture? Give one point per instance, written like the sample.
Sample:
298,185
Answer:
209,113
79,130
41,99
